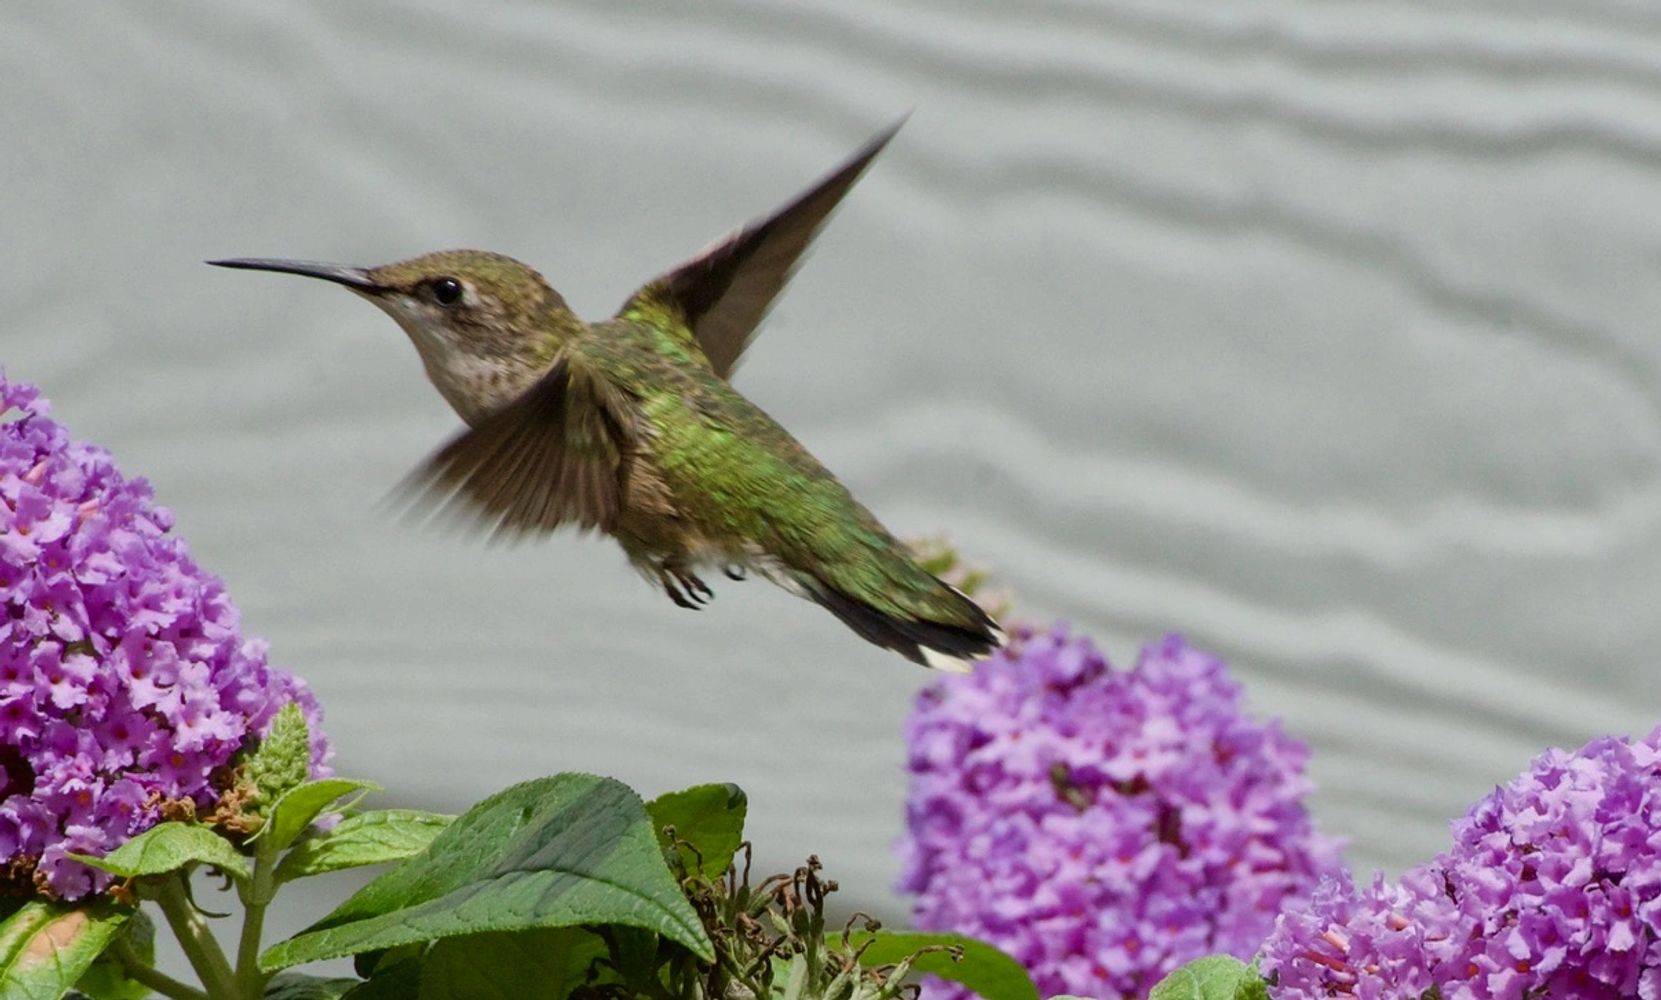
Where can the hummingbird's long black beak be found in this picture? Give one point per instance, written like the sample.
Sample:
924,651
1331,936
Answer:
340,274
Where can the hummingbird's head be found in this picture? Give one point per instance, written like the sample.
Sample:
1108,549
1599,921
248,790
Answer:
468,294
485,325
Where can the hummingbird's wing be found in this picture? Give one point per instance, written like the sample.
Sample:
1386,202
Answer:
550,457
725,291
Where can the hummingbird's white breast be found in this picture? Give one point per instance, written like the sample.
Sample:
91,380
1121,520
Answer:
476,378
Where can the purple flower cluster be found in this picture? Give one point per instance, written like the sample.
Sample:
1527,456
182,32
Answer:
124,680
1552,888
1104,826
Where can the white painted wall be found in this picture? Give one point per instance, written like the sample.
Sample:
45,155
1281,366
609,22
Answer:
1324,332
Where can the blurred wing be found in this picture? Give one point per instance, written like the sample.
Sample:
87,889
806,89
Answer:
548,458
725,291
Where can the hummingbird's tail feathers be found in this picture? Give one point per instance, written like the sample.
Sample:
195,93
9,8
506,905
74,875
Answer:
937,645
994,630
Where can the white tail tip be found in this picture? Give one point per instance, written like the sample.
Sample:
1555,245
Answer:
950,664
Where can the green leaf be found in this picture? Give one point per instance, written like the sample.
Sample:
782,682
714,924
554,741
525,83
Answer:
983,969
296,986
369,964
1255,987
283,758
564,851
299,806
46,947
633,955
369,838
105,979
399,981
1214,977
533,965
710,818
168,847
795,978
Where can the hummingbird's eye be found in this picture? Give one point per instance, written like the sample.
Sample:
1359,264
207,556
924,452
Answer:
446,290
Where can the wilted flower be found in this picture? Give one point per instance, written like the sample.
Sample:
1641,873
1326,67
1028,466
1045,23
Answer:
124,679
1104,826
1552,888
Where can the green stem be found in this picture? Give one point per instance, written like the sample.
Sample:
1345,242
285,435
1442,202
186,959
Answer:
249,980
134,967
197,940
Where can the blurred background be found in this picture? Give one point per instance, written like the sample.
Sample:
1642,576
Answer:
1322,332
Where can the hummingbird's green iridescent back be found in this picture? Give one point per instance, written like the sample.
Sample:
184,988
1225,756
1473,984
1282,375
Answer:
745,492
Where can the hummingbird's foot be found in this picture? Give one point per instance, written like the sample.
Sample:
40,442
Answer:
697,588
734,572
684,587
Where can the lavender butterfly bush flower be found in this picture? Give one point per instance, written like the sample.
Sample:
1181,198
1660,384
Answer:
1552,888
1104,826
125,683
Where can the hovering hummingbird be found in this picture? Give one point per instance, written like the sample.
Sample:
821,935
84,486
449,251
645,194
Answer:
630,426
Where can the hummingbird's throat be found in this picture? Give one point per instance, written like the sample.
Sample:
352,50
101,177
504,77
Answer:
472,374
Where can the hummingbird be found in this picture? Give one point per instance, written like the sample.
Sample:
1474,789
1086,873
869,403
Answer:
631,427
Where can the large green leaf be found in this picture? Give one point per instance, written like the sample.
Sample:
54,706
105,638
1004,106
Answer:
168,847
295,986
105,979
399,981
519,965
708,817
564,851
983,968
46,947
1214,977
369,964
634,956
299,806
369,838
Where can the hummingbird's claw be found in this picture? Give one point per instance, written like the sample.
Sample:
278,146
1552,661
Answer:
734,572
684,588
681,600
